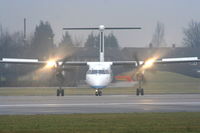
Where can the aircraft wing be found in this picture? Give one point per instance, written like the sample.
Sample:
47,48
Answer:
37,62
75,63
21,61
159,61
177,60
124,63
78,63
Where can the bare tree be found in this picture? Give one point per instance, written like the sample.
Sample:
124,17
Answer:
192,34
158,37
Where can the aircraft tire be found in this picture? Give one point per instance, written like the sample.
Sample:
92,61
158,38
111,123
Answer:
62,92
58,92
142,91
100,93
137,92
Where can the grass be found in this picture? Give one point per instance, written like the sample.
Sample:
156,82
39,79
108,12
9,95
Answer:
159,82
102,123
156,83
168,82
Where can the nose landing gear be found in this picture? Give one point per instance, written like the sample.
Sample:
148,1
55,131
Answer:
98,92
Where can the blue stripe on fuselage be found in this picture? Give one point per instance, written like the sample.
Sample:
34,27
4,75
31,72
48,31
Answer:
98,87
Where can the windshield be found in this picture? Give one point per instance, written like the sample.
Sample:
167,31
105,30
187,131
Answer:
98,72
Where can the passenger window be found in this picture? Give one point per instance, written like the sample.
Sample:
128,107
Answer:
98,72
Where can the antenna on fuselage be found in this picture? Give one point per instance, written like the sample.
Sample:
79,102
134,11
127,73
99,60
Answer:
101,28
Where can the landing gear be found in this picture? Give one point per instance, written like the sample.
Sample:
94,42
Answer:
98,92
140,90
60,92
61,79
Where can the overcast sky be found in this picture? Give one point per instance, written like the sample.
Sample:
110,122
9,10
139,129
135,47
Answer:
175,14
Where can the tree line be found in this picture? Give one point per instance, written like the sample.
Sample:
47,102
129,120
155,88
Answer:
41,45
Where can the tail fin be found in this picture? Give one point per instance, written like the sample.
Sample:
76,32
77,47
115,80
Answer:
101,49
101,28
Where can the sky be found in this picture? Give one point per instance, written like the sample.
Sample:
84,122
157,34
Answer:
174,14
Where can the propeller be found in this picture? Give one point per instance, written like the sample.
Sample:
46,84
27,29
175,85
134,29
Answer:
61,68
138,72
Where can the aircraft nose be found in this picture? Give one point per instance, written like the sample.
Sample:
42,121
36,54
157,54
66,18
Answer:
97,81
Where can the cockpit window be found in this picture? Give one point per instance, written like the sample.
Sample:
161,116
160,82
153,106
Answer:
98,72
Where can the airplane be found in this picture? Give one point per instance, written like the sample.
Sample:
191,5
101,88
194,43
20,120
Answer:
99,74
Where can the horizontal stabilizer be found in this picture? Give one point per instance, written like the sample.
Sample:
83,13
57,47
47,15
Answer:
80,28
102,27
123,28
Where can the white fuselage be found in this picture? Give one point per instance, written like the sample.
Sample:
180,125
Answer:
99,74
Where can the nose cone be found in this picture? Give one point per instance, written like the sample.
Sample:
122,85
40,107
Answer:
98,80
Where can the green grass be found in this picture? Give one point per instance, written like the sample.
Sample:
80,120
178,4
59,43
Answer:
168,82
156,83
159,82
102,123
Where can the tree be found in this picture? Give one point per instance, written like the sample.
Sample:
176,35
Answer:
6,45
158,37
93,41
192,34
42,42
111,41
11,46
66,41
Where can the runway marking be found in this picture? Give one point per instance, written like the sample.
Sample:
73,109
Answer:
98,104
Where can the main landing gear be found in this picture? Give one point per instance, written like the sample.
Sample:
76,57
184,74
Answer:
98,92
140,90
61,79
60,92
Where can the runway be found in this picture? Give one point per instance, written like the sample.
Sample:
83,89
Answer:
104,104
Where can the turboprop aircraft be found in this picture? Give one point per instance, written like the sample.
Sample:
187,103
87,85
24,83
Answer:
99,74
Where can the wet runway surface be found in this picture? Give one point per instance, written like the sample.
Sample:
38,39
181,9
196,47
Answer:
103,104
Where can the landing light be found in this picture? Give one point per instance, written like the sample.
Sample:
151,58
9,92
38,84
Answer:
51,63
149,63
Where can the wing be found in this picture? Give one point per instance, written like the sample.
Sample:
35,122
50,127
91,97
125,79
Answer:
124,63
178,60
21,61
37,62
159,61
134,63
